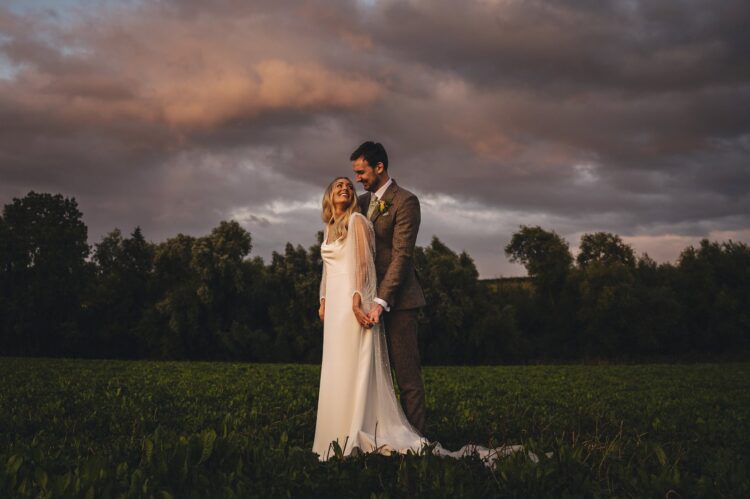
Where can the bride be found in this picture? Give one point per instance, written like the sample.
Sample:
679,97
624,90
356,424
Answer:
357,406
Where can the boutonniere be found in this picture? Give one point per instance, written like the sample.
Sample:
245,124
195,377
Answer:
384,206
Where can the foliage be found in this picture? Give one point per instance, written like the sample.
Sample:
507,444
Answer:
43,274
83,428
118,302
293,300
451,286
612,305
207,298
712,281
604,248
544,254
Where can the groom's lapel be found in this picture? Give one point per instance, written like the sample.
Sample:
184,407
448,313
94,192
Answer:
387,197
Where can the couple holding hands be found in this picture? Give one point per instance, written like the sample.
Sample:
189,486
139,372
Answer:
369,300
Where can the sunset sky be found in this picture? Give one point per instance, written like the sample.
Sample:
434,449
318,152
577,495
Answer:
630,117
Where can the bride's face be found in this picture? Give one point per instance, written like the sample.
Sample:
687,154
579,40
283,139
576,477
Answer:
343,192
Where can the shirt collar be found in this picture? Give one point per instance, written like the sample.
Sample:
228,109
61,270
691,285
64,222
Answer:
379,194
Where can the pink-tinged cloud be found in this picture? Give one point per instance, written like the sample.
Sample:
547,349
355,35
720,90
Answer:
211,99
183,72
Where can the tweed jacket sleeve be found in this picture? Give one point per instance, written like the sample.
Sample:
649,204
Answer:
407,217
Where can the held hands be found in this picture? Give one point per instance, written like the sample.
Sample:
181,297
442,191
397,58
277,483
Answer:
375,312
359,314
362,318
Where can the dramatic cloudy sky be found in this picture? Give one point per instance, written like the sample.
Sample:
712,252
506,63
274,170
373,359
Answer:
624,116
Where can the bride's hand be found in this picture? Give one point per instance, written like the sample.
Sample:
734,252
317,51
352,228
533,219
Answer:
322,309
360,314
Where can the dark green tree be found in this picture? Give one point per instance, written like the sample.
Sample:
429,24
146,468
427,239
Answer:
545,255
607,302
448,332
606,309
294,280
6,289
122,294
201,285
178,306
548,262
249,336
658,326
43,252
713,285
511,320
604,248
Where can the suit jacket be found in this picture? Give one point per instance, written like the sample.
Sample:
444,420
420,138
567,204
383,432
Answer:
395,237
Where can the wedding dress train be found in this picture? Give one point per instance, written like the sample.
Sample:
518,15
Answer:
357,406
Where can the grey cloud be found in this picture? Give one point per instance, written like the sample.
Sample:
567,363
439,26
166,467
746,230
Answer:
627,46
262,221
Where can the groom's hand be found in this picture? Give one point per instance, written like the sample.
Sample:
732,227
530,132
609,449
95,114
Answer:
375,312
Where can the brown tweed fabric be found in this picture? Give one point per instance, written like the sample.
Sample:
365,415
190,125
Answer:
401,331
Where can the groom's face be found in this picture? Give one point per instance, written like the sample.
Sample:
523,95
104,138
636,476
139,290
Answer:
368,176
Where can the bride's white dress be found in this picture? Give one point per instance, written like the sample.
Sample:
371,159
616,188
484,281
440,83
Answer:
357,406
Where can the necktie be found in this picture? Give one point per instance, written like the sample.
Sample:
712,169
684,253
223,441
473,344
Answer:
373,205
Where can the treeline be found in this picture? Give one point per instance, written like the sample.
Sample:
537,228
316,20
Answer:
206,298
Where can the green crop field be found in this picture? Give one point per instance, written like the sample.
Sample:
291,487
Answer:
81,428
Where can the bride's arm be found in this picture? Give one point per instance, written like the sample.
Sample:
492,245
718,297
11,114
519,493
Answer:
358,312
322,295
364,268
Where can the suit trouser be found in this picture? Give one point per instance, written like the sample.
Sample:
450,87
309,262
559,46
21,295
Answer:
403,350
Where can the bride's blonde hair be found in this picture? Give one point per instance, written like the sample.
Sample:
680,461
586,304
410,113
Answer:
338,226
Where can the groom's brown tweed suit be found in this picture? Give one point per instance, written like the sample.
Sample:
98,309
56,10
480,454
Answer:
395,236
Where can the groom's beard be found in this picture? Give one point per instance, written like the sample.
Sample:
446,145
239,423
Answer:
374,188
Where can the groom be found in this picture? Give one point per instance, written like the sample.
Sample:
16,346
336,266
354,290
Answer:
395,215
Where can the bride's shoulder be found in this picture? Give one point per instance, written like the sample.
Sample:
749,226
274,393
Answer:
359,220
358,217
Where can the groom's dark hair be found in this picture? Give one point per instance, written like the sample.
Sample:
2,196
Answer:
374,153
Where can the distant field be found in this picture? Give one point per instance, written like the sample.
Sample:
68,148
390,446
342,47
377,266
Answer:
178,429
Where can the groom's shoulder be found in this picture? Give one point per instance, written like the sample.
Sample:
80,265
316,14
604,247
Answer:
403,194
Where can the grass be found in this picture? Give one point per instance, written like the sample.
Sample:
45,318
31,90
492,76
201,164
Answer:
103,428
